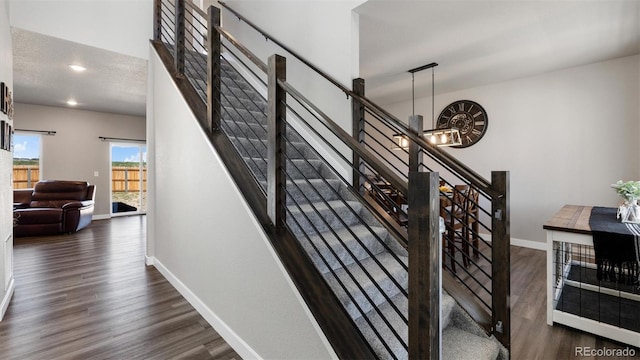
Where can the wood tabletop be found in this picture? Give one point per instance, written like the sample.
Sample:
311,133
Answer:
571,218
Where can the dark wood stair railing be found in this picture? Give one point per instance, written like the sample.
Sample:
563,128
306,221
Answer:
343,335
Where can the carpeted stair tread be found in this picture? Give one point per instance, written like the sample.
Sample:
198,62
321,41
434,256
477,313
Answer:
331,248
240,103
396,342
458,344
323,216
257,148
242,117
296,168
385,287
303,191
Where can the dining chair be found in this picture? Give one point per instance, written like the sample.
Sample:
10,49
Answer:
454,221
462,224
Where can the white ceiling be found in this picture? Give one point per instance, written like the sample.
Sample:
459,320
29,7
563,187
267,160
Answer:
481,42
113,82
475,42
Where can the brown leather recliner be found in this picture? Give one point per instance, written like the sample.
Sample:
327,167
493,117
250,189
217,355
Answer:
53,207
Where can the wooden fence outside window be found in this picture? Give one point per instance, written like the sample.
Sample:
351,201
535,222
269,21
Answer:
123,179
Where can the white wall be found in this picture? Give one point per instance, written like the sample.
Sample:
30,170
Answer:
565,136
99,23
6,193
207,242
75,152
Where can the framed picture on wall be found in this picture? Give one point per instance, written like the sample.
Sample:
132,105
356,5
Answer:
10,147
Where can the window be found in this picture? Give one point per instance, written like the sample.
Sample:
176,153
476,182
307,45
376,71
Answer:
26,160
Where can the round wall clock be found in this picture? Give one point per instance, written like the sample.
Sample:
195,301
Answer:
468,117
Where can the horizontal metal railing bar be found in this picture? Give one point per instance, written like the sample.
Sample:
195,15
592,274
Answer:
194,21
169,24
243,49
348,228
326,121
252,143
340,282
343,266
192,59
332,168
476,292
433,151
380,191
170,11
335,151
473,292
251,98
166,40
389,164
199,41
342,179
465,269
391,152
253,73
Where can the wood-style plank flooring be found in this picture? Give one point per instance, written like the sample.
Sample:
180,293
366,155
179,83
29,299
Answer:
89,296
532,338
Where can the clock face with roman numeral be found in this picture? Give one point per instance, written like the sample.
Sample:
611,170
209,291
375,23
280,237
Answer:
468,117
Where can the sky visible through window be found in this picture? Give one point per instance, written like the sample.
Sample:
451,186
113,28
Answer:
123,153
26,146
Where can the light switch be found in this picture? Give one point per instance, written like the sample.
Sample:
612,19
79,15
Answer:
95,173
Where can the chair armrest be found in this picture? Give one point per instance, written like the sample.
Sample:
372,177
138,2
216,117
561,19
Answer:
78,204
20,205
72,205
87,203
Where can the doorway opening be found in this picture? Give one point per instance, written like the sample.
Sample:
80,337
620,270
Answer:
128,179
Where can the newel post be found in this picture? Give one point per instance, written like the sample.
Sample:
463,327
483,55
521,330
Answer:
276,146
501,256
180,37
424,266
157,20
416,125
213,70
357,111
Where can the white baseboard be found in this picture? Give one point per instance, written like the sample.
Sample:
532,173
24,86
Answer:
7,298
240,346
537,245
101,217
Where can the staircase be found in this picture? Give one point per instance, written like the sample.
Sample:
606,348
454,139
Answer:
364,265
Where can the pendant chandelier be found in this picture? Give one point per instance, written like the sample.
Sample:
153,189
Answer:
437,137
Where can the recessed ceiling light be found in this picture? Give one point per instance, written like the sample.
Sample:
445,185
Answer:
72,102
78,68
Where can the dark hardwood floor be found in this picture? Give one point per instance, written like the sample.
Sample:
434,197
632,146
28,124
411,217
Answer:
532,338
89,296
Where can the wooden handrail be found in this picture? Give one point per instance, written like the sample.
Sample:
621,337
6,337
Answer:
352,143
287,49
474,178
197,9
243,49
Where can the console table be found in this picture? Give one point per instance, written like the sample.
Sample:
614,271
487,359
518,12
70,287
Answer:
570,260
